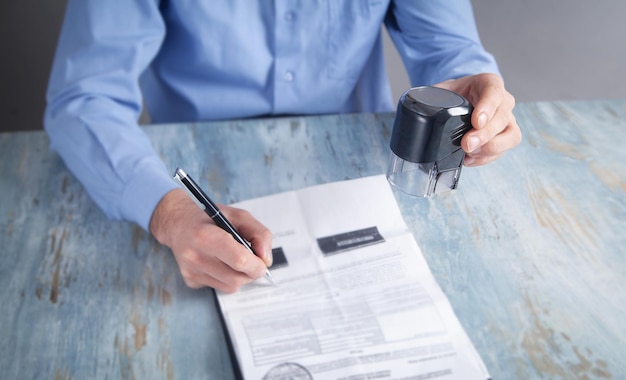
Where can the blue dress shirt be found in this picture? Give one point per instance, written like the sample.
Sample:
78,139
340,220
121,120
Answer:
191,60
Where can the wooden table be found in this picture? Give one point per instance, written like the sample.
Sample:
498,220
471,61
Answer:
531,250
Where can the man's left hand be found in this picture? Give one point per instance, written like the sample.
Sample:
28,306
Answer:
495,129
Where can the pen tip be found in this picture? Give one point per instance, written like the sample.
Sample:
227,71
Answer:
269,277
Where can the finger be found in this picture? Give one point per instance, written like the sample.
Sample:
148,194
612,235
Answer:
487,100
478,161
495,148
225,273
506,140
502,120
259,236
216,256
239,259
218,276
475,139
193,284
213,245
201,281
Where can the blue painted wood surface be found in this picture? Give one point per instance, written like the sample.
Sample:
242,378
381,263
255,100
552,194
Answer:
530,250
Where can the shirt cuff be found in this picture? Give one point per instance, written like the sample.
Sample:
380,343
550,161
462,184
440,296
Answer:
144,192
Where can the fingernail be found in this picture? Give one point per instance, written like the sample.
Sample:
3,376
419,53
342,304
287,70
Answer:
482,119
469,160
472,143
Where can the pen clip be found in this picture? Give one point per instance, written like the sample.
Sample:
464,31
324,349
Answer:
179,175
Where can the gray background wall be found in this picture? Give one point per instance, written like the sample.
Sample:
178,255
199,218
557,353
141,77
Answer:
547,50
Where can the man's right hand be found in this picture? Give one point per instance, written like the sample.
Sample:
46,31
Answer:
206,254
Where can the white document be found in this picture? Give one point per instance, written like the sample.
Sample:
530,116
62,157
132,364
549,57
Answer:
355,298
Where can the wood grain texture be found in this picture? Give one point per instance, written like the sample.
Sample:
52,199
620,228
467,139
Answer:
530,250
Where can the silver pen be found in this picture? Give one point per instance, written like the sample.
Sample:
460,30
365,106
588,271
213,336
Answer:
211,209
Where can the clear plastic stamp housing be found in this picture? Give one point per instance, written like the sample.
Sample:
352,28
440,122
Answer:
420,179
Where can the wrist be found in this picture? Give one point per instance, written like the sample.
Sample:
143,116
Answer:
165,214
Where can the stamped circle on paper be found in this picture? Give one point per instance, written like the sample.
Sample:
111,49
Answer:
288,371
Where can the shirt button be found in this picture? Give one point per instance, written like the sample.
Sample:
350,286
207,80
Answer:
289,16
288,76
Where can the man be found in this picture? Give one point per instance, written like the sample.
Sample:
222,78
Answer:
190,60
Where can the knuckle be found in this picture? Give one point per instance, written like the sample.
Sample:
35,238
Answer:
190,257
200,234
191,283
241,261
498,89
238,213
186,274
511,100
515,131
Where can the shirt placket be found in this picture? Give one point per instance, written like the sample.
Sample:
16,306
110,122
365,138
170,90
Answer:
287,49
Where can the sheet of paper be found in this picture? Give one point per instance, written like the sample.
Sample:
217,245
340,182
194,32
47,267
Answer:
355,298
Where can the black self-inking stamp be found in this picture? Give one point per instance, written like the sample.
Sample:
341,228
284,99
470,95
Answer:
426,155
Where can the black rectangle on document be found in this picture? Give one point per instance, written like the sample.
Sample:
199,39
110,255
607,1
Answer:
280,260
349,240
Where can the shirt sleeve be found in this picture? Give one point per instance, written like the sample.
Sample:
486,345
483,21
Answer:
94,102
438,40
